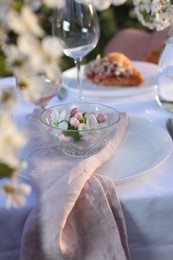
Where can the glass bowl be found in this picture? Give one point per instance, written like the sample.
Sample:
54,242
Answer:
80,129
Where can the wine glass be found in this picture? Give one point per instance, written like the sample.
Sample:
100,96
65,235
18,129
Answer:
39,88
77,26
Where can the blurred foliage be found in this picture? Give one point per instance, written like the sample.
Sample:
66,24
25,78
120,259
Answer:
4,72
111,21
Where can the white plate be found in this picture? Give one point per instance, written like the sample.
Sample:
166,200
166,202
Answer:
149,71
145,146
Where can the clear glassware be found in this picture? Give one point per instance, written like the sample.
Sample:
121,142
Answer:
38,89
81,143
77,26
164,90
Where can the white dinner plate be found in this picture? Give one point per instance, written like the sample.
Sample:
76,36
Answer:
149,71
145,146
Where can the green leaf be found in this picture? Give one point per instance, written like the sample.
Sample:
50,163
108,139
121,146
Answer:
75,135
5,171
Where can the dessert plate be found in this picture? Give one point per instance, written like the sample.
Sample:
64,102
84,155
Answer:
149,71
145,146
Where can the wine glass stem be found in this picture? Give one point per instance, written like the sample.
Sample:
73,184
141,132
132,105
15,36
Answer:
79,79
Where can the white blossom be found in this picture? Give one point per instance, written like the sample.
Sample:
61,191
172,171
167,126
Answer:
118,2
35,4
59,119
11,141
8,99
23,22
13,54
100,5
4,8
16,194
27,44
153,13
33,88
40,54
54,3
91,125
52,47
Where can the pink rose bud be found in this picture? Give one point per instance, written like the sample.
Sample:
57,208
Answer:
74,110
102,118
50,111
78,116
74,122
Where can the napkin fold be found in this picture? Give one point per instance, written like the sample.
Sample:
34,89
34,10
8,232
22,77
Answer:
78,215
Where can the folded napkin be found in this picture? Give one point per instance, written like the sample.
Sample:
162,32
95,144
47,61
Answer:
78,215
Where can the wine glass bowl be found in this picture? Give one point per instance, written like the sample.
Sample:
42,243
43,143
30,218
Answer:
77,26
39,88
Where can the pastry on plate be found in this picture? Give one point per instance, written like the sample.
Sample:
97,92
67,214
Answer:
115,69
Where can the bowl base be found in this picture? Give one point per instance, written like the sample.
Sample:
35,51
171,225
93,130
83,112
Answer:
80,154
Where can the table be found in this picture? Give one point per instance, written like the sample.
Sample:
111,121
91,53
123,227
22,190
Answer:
146,200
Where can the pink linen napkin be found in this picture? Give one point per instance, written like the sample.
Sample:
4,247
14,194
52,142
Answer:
78,215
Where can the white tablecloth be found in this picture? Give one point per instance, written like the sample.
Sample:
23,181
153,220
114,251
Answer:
147,200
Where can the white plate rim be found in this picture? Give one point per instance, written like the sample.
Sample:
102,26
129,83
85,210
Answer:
147,68
135,122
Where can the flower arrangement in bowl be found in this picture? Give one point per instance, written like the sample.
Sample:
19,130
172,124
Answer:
80,129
